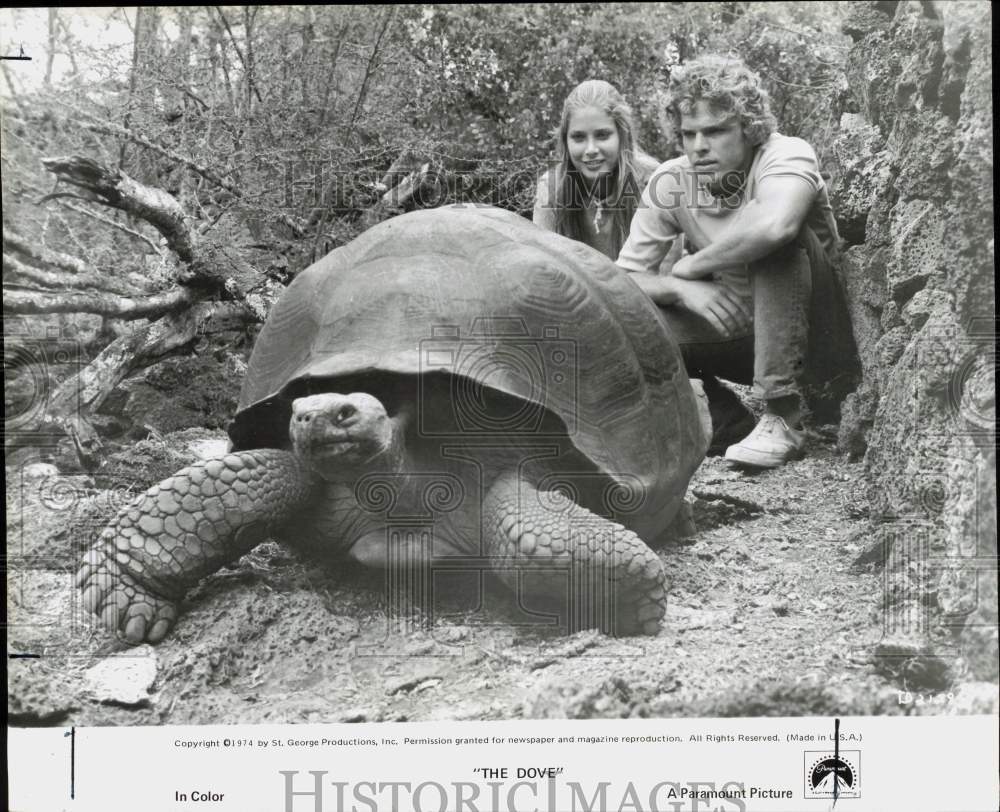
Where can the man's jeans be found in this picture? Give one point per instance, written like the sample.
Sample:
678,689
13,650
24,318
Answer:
790,287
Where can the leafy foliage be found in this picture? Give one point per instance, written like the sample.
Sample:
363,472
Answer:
286,131
300,112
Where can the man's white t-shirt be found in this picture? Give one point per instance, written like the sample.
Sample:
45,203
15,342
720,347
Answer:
674,203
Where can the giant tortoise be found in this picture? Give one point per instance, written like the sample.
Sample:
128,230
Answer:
456,388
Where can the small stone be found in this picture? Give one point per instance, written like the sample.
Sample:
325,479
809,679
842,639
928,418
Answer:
356,715
125,679
39,470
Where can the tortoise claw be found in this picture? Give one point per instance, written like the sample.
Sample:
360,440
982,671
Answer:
135,630
124,606
160,629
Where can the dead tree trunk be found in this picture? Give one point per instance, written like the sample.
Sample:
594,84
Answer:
210,279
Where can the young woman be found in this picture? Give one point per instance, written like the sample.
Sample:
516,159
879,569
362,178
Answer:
592,192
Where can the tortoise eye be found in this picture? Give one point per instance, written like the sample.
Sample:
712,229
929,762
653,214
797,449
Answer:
345,412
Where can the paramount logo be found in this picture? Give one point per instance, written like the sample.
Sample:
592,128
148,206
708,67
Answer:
830,774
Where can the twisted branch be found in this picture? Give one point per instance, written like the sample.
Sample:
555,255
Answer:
116,189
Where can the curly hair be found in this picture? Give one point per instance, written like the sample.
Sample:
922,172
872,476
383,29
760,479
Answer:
622,188
728,86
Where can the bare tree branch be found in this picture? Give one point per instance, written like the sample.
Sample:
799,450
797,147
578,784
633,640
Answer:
372,66
205,172
44,255
57,196
239,53
331,72
50,57
140,14
70,47
25,302
118,190
55,279
13,90
109,222
178,85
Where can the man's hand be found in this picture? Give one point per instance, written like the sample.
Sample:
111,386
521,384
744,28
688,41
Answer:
717,303
736,281
686,268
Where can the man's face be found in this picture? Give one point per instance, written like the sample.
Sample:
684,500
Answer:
714,143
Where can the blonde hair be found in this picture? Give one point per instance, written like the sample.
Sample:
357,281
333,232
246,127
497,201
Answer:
622,198
728,86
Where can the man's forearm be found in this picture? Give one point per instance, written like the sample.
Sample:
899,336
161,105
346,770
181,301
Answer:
661,289
753,234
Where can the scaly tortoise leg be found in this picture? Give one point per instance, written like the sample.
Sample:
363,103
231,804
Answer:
616,582
182,529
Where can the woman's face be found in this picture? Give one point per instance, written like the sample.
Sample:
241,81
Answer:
593,143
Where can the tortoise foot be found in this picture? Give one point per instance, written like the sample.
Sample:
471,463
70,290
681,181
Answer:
619,584
641,603
125,606
610,579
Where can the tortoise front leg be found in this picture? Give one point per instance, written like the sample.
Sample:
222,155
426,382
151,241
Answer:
182,529
615,581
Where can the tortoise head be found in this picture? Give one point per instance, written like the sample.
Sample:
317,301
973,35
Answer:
342,436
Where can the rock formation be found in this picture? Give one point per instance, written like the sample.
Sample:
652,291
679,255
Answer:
914,191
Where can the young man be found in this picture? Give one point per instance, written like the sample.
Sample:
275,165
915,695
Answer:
756,220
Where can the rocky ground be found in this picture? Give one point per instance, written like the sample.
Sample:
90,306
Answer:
770,615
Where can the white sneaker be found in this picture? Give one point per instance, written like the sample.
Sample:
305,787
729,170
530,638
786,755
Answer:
770,445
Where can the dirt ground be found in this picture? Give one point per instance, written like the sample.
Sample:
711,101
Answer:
768,615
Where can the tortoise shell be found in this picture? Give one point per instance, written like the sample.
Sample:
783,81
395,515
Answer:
496,305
